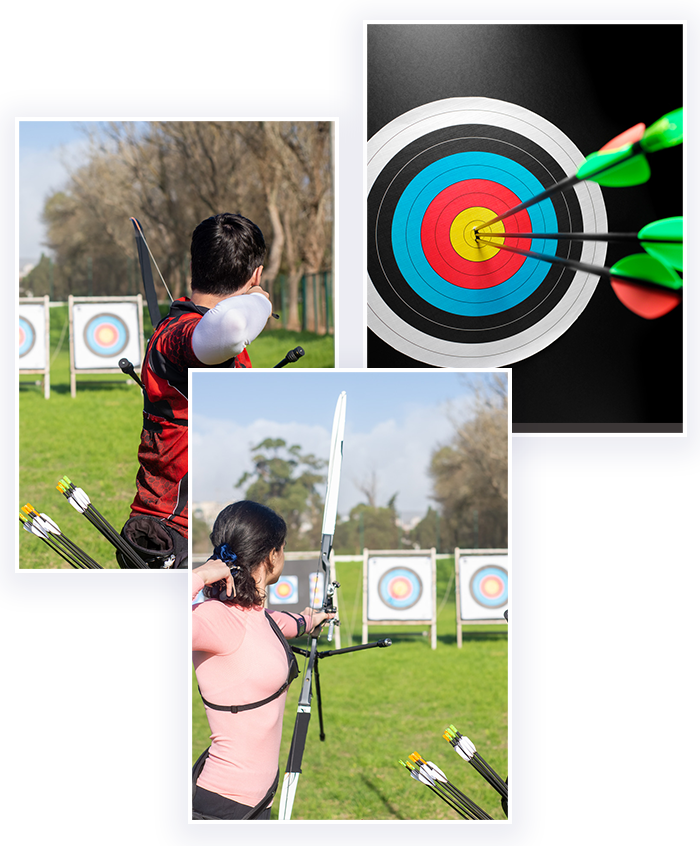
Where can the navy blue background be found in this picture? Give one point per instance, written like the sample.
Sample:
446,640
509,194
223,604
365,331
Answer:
537,464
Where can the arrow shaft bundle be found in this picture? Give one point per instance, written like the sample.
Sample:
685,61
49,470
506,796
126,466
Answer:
62,545
489,774
81,502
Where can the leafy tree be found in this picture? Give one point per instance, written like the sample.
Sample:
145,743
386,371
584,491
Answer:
286,481
200,535
427,533
470,474
373,527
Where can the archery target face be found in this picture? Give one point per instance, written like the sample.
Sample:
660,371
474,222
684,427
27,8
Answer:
285,591
483,586
104,333
399,588
316,591
32,336
435,173
292,590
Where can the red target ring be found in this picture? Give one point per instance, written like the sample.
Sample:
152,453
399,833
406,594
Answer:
471,270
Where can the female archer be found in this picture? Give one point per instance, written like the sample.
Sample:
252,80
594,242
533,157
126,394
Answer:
243,663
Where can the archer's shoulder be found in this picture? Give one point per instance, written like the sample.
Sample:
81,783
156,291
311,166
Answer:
232,614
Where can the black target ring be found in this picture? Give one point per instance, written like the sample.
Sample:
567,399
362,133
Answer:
426,140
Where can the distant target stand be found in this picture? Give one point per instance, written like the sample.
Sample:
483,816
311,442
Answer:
104,330
481,586
300,586
399,590
33,338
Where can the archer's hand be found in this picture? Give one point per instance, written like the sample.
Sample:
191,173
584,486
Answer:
317,617
258,290
213,571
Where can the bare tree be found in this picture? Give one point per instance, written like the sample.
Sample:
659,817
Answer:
471,472
172,174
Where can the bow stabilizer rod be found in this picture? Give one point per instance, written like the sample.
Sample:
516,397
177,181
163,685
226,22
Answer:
292,356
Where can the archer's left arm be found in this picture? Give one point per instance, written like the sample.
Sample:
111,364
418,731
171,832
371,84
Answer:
225,330
291,625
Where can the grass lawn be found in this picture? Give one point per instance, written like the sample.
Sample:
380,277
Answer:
94,438
381,705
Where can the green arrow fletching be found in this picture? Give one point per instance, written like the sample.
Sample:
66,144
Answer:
616,168
666,132
643,266
668,229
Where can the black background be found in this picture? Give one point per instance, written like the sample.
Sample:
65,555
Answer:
612,371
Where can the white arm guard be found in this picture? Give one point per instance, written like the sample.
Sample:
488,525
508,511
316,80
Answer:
225,330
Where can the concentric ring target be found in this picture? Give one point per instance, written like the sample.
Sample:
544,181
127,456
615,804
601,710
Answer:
434,174
400,587
489,586
285,591
106,335
27,336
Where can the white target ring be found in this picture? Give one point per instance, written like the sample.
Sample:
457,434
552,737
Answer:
443,321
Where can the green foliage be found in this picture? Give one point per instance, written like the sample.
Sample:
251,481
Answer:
370,527
39,280
383,704
470,474
426,534
287,484
200,535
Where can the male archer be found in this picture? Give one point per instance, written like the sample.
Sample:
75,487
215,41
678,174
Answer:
227,310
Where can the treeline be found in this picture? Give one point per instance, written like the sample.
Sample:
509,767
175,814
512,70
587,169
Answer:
470,490
173,174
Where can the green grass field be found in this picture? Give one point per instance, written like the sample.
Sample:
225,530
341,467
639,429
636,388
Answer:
381,705
94,438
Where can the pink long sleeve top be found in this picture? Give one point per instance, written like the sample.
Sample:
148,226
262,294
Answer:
238,659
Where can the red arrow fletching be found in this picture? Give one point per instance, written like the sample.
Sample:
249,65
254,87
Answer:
644,301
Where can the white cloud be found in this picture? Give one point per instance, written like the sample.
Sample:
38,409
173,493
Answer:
41,173
397,450
221,450
399,453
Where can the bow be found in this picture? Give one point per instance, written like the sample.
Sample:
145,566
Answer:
145,256
296,751
313,656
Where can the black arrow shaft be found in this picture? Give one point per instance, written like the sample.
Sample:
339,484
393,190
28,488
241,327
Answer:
587,268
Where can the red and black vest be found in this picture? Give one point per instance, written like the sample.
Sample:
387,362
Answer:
161,483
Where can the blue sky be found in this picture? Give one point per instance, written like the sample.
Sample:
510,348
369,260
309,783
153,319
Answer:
46,147
394,422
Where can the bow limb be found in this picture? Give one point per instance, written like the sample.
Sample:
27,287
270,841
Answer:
144,254
330,511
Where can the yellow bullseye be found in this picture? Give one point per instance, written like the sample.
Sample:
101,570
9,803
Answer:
463,239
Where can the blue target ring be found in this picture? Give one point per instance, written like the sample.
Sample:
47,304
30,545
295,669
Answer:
489,586
406,234
27,336
285,591
400,588
106,335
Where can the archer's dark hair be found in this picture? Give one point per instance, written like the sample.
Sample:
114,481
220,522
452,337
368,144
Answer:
226,250
252,531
